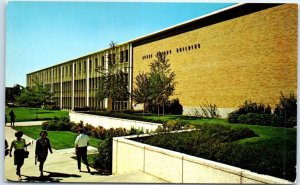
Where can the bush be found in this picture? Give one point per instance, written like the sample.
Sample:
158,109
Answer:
175,107
171,107
284,115
287,107
82,108
219,143
104,160
62,124
51,107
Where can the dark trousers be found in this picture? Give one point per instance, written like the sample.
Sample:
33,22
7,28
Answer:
12,122
81,154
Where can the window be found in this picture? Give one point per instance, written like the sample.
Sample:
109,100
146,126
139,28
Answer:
198,45
126,55
102,61
113,58
121,56
90,64
84,65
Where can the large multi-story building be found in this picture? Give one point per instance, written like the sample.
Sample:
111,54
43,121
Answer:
244,52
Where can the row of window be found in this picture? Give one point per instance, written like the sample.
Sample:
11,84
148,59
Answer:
146,56
165,52
68,69
178,50
188,48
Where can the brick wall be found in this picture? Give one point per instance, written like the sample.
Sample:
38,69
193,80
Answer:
253,57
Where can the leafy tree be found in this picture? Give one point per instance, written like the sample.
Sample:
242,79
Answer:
162,80
36,96
13,93
113,82
142,93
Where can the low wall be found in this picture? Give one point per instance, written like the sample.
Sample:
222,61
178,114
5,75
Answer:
130,156
109,122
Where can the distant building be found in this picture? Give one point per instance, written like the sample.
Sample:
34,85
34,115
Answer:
244,52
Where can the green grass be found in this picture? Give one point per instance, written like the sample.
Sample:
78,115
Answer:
33,114
189,119
59,139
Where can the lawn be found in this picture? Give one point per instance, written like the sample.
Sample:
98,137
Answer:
59,139
34,114
189,119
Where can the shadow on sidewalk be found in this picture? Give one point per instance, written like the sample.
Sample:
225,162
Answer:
49,178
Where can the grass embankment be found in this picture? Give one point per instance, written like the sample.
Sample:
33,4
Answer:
59,139
278,142
34,114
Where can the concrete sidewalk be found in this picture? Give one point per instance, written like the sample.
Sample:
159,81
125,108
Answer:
61,167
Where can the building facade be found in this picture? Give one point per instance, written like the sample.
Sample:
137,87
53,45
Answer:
244,52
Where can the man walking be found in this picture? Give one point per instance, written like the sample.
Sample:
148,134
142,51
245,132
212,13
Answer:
12,118
81,143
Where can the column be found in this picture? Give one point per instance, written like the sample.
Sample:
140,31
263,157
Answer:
130,75
60,99
73,86
87,82
105,69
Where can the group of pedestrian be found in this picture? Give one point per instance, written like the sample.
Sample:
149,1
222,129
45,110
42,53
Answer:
41,150
12,118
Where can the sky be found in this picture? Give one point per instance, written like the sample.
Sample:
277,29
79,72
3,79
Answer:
43,34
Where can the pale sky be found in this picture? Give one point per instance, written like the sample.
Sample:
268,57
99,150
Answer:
42,34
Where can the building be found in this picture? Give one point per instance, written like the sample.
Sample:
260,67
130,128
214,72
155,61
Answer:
244,52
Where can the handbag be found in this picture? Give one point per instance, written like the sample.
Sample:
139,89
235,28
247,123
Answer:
6,152
25,153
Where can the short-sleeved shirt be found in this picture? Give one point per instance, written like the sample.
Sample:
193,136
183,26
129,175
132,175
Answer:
82,140
18,144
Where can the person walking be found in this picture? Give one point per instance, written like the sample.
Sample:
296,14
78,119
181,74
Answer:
12,118
5,119
6,148
41,150
19,145
81,143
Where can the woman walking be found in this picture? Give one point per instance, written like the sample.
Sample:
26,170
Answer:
41,149
19,144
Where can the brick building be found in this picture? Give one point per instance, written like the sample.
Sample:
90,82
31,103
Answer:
243,52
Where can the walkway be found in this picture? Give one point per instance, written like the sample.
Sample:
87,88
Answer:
61,167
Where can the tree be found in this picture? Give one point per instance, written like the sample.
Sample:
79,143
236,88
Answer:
114,81
12,93
36,96
142,93
162,80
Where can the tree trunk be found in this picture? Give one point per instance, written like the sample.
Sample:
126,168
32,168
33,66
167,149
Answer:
158,110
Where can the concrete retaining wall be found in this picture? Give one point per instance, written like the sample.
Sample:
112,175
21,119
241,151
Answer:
175,167
108,122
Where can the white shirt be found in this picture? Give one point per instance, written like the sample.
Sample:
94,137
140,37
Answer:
82,140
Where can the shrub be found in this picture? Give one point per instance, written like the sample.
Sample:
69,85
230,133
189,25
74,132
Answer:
104,160
284,115
287,107
218,143
175,107
172,125
51,107
209,110
248,107
62,124
82,108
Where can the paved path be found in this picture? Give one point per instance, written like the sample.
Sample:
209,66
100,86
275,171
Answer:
61,167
